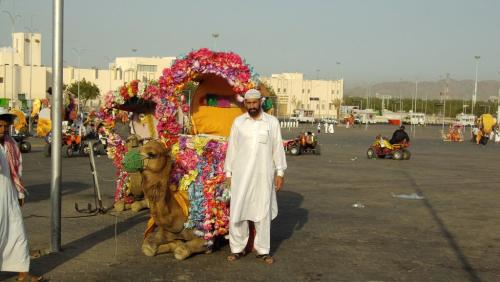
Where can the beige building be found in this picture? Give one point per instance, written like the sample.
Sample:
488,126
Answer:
295,93
26,80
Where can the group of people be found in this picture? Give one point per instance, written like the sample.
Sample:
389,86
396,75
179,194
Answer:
254,167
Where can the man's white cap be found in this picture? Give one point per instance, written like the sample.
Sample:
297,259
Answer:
253,94
5,112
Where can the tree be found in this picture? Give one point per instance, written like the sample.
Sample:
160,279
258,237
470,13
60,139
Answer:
337,102
88,91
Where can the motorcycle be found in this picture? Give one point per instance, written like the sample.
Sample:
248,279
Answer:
74,145
24,145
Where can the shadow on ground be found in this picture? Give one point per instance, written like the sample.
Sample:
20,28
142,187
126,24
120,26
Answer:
452,242
41,192
291,217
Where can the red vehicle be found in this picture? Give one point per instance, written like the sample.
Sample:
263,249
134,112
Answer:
305,142
381,148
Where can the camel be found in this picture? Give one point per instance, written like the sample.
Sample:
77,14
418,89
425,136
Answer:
133,187
167,213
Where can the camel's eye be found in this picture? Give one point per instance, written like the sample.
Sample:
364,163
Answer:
151,155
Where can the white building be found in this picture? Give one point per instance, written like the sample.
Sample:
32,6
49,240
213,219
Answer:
294,92
23,77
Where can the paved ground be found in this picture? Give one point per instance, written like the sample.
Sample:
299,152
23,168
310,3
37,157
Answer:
451,235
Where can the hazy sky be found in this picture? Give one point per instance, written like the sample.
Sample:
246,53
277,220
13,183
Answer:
375,40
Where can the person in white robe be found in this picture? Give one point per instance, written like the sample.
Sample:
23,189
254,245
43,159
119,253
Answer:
254,166
14,251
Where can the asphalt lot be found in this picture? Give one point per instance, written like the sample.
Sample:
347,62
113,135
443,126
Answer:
453,234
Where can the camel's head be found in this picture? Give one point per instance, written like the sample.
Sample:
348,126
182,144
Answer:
155,155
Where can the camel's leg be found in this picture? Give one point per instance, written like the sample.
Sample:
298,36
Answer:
152,242
137,206
168,247
184,250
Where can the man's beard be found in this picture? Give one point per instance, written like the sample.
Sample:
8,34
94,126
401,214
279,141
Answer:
253,112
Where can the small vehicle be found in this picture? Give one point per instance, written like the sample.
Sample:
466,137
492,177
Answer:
73,145
24,145
382,149
305,142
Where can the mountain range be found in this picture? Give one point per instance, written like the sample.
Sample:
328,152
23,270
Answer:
457,89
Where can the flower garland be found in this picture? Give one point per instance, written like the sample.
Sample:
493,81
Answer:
198,168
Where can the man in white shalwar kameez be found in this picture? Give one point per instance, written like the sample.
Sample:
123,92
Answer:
14,252
255,164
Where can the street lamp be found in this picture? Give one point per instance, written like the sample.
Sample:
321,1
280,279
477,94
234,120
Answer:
215,35
30,102
78,52
111,66
134,50
474,97
13,19
338,70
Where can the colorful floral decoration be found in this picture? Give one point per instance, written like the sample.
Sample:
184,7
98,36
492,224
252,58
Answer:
199,160
198,169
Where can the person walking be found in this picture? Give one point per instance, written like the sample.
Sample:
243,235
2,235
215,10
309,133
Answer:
255,161
14,251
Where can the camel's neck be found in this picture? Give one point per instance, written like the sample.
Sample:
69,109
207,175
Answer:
165,210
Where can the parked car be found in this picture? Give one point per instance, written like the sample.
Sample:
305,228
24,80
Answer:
329,120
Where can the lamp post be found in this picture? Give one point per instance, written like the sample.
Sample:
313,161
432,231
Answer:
474,97
215,35
31,31
78,52
134,50
338,70
4,80
13,19
498,105
57,76
110,68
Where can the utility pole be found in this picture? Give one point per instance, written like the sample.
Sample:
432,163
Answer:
79,53
57,77
215,35
30,101
474,97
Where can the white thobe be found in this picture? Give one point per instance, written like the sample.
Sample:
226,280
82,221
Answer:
14,252
255,153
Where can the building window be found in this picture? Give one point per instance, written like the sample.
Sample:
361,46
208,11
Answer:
317,106
308,106
332,91
1,79
323,106
330,107
284,90
279,89
303,91
337,92
308,91
146,68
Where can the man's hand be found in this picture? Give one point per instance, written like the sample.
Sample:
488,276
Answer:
228,182
278,181
21,202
